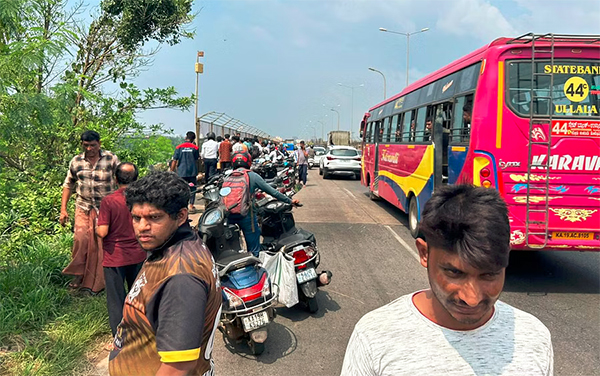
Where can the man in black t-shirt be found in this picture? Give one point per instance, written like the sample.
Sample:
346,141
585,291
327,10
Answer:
185,163
172,311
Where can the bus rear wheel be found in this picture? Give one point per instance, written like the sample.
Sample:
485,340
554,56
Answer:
413,217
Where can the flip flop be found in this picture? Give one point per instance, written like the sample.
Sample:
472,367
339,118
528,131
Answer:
329,275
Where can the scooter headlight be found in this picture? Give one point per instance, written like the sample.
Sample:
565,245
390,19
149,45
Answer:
212,217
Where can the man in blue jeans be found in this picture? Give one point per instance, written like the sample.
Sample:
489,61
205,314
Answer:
249,223
301,156
185,159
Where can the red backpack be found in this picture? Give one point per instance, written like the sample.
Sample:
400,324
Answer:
238,200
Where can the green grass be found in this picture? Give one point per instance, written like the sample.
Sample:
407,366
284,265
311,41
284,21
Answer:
44,330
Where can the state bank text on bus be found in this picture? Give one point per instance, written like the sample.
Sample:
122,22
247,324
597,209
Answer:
519,115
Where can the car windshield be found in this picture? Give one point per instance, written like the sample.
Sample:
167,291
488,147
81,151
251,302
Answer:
344,153
319,151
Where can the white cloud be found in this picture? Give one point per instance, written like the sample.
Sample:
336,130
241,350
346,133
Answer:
569,17
474,17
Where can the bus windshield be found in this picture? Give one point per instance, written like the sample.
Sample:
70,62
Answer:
575,90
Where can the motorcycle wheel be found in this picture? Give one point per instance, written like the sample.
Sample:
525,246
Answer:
313,305
256,348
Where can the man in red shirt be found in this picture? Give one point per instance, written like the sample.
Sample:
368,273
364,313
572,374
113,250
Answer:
225,153
123,255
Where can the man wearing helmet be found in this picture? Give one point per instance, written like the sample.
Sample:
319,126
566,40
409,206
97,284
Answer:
210,148
241,161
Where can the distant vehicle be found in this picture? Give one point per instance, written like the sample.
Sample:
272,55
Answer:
319,153
520,115
340,160
338,138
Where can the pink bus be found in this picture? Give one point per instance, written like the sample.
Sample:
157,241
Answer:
521,115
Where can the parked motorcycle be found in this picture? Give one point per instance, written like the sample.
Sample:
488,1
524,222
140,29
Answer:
280,233
248,294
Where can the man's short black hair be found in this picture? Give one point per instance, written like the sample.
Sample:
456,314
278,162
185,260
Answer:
467,108
126,176
227,136
219,138
235,138
165,190
90,136
190,136
471,222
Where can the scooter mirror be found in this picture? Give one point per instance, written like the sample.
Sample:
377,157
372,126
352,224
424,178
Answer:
224,192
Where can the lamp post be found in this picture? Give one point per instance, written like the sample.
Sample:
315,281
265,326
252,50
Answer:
338,114
407,35
352,105
199,69
322,130
382,75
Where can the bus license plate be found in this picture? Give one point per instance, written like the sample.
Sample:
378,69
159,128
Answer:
573,235
255,321
306,275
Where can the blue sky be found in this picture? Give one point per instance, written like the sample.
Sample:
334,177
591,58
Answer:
274,64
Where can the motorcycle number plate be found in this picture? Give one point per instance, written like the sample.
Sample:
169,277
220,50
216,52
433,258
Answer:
306,275
255,321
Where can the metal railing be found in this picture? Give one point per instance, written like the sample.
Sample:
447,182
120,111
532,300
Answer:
221,124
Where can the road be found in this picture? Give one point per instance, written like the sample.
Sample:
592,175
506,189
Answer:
368,248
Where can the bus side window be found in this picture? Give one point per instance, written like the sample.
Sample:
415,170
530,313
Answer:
461,125
366,132
420,130
385,130
397,128
408,127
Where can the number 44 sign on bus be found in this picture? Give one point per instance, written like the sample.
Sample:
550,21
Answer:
581,128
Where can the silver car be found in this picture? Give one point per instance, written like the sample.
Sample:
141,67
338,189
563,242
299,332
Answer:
340,160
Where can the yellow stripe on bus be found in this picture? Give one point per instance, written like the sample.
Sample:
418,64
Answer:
459,148
418,179
500,100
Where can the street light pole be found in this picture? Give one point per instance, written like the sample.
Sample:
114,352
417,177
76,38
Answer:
384,84
338,114
322,130
199,68
352,105
407,35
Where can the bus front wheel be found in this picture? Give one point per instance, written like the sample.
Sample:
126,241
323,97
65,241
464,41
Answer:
413,217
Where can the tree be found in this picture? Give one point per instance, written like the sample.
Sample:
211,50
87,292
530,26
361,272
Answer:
52,74
139,21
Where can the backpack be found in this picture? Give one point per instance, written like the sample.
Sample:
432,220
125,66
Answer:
238,201
255,153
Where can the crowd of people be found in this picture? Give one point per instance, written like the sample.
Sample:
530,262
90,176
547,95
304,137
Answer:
136,233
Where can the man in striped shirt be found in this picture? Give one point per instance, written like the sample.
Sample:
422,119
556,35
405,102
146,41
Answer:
91,177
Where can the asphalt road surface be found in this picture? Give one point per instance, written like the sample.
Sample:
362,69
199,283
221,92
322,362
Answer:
373,259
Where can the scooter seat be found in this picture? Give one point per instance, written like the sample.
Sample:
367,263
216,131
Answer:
236,262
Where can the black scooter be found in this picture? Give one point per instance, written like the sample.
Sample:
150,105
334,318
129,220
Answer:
280,233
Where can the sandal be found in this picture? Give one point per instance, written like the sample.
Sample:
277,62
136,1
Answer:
329,275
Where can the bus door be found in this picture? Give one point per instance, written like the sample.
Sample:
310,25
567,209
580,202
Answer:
441,119
376,141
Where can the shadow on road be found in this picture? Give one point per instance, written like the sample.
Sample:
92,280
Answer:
398,214
544,272
280,343
300,312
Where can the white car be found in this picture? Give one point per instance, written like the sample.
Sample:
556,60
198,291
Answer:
340,160
316,160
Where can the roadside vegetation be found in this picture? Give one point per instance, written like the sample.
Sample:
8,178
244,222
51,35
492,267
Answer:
60,74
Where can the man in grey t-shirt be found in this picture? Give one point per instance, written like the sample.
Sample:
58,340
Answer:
458,327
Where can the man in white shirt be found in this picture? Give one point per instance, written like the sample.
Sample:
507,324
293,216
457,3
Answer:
458,327
209,155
